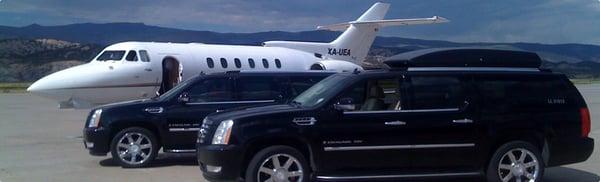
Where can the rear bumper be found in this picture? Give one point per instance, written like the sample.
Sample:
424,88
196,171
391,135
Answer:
568,151
96,140
227,157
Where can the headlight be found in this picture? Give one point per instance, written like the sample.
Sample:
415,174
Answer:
95,119
223,133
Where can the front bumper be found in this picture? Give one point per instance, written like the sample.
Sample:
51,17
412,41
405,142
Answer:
228,157
570,150
96,140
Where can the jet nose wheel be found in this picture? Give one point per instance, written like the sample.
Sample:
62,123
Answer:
134,147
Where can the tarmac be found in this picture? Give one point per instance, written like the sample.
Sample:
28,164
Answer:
39,142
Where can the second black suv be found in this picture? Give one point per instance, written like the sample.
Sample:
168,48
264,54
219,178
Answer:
134,131
437,113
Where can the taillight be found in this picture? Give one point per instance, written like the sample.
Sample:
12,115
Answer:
585,122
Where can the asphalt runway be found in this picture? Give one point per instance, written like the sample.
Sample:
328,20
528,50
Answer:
39,142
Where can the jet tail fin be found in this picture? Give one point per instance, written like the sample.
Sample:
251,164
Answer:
358,36
354,43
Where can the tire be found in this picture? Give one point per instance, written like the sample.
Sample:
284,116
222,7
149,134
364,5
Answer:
135,152
297,169
529,168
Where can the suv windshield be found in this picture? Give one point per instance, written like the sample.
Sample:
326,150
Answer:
111,55
316,94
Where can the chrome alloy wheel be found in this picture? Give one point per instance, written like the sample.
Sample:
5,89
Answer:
134,148
272,170
525,167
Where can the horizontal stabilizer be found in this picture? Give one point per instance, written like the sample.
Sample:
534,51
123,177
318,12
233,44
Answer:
385,23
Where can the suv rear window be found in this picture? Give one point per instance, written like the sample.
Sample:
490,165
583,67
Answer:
211,90
258,88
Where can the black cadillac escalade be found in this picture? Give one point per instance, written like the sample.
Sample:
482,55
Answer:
434,113
134,131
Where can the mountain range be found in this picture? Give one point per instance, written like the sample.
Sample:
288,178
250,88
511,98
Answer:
34,46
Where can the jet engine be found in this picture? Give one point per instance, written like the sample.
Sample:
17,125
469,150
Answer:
335,65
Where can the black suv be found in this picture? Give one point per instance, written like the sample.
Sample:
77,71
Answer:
435,113
134,131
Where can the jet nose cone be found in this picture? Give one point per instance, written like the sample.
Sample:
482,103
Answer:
56,85
35,87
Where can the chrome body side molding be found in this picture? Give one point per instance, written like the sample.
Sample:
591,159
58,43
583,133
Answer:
402,111
183,129
398,176
473,69
388,147
179,150
232,102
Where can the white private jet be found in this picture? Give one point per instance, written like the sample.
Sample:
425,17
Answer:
134,70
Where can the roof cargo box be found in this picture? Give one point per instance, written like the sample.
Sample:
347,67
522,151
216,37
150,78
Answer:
465,57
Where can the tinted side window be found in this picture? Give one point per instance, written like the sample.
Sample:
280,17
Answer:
210,63
356,93
211,90
376,95
144,56
251,63
238,63
436,92
223,62
131,56
265,63
258,88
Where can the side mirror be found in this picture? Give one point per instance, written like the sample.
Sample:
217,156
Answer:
345,104
279,98
465,105
184,98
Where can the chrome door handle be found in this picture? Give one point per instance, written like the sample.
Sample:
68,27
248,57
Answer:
304,121
219,110
148,69
154,110
462,121
395,123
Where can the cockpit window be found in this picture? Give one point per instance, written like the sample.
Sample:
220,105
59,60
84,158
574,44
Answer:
111,55
131,56
144,56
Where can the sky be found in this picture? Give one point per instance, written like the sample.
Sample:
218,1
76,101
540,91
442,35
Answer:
537,21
